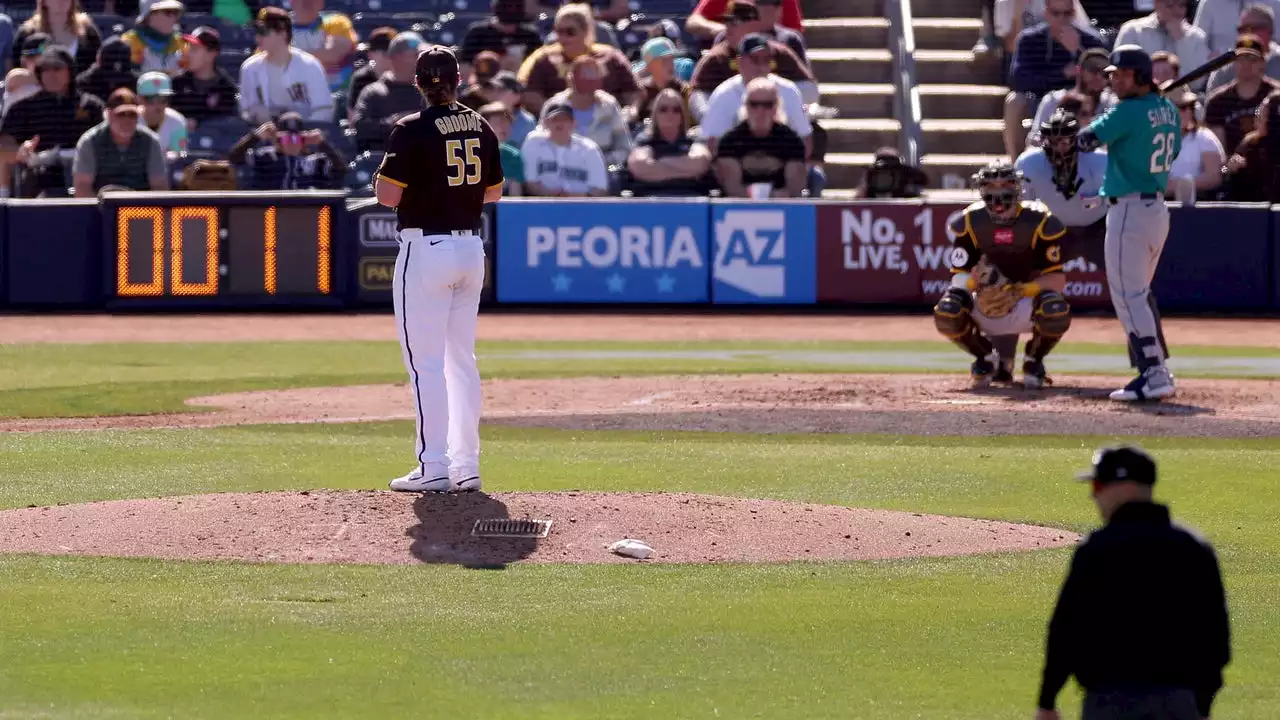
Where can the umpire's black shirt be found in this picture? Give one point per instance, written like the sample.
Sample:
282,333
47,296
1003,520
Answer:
1142,607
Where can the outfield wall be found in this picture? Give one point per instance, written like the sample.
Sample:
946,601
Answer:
321,250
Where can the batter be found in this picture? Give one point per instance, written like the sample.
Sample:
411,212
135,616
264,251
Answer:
442,166
1143,135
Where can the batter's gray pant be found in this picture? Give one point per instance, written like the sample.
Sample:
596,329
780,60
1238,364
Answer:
1175,704
1136,231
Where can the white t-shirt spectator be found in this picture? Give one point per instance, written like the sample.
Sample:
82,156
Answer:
1147,32
1190,160
577,168
267,89
726,102
1002,18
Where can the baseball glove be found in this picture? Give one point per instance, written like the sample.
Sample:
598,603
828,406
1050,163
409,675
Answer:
995,296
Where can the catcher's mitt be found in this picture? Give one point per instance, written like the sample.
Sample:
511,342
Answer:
995,296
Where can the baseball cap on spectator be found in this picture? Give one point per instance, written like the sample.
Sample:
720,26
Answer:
408,41
155,84
290,122
755,42
1094,59
1250,45
273,19
741,11
485,65
507,80
379,40
206,37
146,7
35,43
552,109
655,48
488,110
122,100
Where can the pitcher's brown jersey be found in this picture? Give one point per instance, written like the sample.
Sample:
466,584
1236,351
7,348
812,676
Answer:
444,158
1023,250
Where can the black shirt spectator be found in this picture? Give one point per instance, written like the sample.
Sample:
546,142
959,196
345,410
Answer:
1142,617
73,28
761,149
507,32
376,63
665,162
392,97
57,115
204,90
285,156
113,70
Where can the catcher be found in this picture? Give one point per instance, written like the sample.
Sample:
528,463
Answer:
1007,279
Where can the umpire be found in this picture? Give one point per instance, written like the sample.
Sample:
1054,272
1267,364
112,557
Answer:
1142,618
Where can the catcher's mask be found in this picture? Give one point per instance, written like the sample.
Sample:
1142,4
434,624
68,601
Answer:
1000,185
1058,136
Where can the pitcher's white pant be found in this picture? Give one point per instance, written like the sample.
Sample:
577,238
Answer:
437,297
1136,232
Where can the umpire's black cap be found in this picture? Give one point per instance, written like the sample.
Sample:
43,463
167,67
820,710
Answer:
437,69
1124,463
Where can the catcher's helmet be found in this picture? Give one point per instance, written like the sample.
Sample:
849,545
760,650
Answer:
1061,125
437,73
1000,185
1131,57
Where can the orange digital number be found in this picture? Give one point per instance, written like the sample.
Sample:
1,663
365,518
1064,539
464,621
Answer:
269,251
178,242
323,215
155,288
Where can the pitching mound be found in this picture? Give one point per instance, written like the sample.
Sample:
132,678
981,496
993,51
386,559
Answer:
378,527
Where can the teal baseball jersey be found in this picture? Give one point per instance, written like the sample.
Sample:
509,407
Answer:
1143,135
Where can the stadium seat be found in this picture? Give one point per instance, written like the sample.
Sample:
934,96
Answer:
107,24
666,8
360,175
366,22
452,27
396,7
218,134
337,137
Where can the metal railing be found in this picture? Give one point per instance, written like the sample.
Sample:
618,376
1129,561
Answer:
902,46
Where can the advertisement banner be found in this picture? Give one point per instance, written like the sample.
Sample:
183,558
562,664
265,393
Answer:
602,251
898,252
1216,258
764,253
378,244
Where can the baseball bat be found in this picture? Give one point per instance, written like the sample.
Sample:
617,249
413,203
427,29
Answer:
1203,71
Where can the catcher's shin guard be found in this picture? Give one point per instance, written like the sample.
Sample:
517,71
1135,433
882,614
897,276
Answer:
951,317
1050,321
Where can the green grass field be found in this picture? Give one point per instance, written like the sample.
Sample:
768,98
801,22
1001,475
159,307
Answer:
937,638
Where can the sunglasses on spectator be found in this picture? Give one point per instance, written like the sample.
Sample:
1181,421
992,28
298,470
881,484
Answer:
566,31
128,114
168,13
761,104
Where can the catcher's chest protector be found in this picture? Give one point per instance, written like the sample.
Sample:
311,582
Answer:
1011,248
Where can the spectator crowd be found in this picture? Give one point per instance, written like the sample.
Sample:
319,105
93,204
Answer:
179,96
1053,52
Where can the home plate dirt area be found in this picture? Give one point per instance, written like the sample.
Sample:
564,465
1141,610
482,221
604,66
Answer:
380,527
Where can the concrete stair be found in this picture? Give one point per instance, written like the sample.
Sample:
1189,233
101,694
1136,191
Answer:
858,100
961,99
862,65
